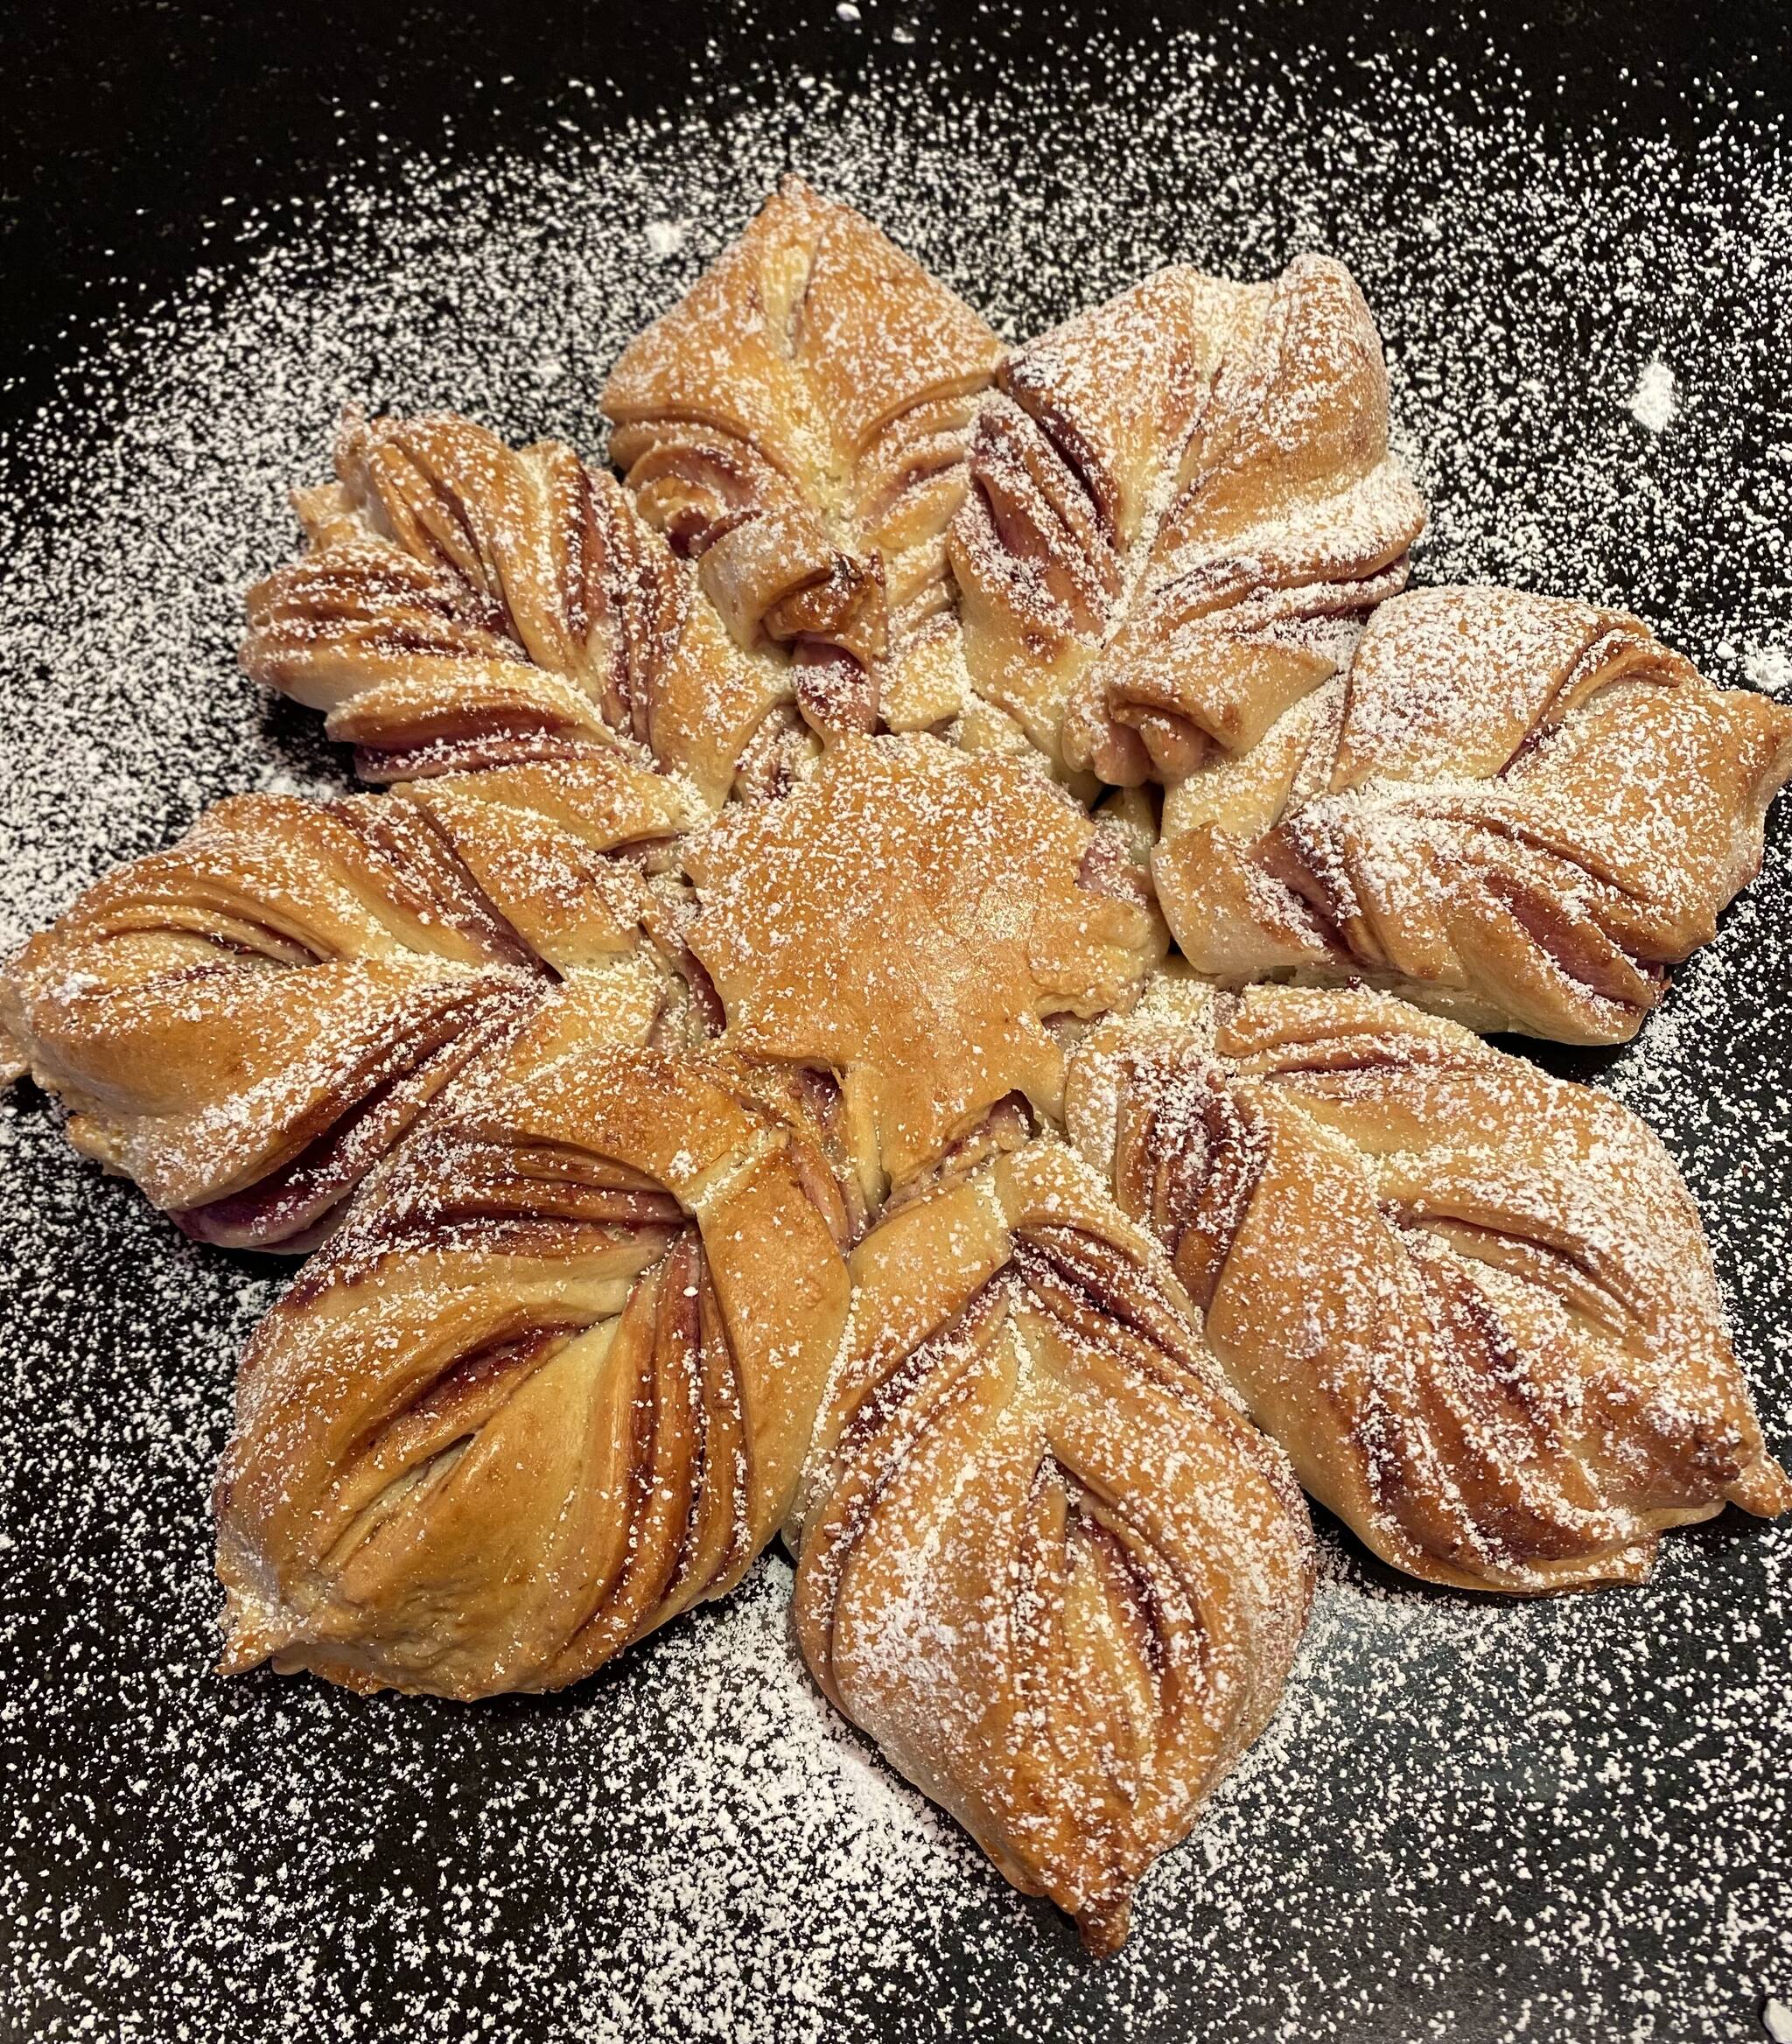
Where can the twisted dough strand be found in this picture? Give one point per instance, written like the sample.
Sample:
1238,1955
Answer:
465,604
1472,1302
1045,1563
1515,808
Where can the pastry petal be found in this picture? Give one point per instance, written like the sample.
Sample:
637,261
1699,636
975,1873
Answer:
550,1386
1516,809
466,605
797,423
247,1022
1473,1302
1182,505
1044,1560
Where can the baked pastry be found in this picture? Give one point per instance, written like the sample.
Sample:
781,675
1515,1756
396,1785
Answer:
732,903
1516,809
1044,1560
910,921
1473,1302
1183,503
797,424
551,1386
247,1023
466,605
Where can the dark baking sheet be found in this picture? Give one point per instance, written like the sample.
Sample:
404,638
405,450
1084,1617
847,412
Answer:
1472,1821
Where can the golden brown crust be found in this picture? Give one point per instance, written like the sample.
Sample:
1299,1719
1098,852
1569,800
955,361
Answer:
1516,809
1473,1302
907,918
797,422
465,604
1182,503
1045,1561
551,1386
247,1023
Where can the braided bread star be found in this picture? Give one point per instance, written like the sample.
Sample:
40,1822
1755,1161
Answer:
673,1061
1471,1301
1515,808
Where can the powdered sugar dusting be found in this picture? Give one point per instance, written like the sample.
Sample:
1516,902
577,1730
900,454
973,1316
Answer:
1469,1820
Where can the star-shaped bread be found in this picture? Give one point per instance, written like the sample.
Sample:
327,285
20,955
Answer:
913,918
673,1067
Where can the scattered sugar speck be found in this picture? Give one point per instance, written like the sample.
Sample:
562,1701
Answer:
1769,669
1655,398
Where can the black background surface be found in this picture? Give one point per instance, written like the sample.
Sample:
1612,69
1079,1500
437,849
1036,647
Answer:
127,127
129,123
